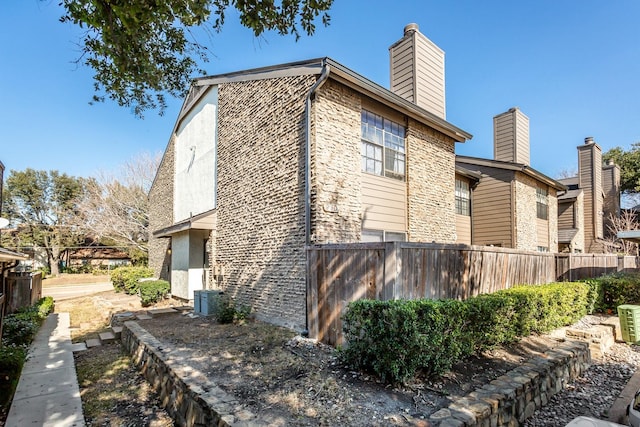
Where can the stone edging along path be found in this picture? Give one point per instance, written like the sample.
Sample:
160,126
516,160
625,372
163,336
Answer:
193,400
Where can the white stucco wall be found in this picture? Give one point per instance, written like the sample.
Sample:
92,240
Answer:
187,263
195,159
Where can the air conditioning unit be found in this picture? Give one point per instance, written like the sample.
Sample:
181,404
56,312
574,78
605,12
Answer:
206,302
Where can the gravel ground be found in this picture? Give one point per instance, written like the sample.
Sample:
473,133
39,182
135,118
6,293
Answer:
592,394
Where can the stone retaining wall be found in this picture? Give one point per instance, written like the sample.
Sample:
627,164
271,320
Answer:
513,397
193,400
190,398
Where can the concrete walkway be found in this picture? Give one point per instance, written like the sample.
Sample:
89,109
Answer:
48,393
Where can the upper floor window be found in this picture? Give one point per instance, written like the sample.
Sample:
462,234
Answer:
463,198
383,148
542,203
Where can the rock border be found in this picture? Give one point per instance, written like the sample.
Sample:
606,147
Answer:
193,400
512,398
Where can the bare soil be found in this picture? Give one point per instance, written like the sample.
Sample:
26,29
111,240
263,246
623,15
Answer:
289,380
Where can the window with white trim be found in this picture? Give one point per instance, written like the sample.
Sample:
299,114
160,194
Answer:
383,147
369,235
463,198
542,203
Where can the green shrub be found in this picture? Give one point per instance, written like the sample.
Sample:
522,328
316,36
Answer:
125,279
19,328
11,361
611,290
396,339
228,311
152,291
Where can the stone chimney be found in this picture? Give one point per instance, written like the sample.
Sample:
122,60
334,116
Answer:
590,181
417,71
511,137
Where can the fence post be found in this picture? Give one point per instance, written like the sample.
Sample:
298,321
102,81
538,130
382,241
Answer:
390,271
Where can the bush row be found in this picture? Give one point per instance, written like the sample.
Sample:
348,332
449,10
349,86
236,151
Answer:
612,290
125,279
18,331
396,339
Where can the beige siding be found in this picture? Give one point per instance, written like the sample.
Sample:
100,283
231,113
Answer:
511,137
590,174
492,207
417,72
611,189
566,218
463,229
384,203
542,229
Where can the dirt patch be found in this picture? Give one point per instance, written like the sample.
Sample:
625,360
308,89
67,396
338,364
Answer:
289,380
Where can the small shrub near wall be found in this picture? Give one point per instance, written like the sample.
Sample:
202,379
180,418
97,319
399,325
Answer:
396,339
152,291
125,279
612,290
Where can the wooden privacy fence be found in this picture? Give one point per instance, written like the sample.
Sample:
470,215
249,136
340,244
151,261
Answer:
23,290
342,273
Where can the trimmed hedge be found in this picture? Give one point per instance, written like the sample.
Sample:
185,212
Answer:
396,339
151,291
612,290
125,279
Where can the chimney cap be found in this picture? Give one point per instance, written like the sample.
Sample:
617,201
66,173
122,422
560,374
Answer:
410,28
610,162
588,140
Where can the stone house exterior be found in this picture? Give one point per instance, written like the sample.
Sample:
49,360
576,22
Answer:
586,210
263,162
513,205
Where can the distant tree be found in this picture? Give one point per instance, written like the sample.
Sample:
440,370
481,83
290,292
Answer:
116,207
629,163
627,220
567,173
142,49
43,205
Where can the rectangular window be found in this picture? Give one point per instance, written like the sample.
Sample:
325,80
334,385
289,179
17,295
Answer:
382,236
383,148
543,249
463,198
542,203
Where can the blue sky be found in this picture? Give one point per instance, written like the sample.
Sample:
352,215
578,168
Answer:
573,67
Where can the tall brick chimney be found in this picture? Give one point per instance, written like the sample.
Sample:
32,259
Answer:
590,180
511,137
417,71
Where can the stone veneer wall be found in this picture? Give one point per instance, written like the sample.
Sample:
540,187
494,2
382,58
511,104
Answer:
260,238
161,213
512,398
431,185
335,157
526,214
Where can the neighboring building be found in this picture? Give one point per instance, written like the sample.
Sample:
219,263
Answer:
93,255
592,199
263,162
466,182
513,205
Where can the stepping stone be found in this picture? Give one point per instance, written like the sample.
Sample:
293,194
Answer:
107,337
117,331
93,342
143,317
157,312
80,346
183,308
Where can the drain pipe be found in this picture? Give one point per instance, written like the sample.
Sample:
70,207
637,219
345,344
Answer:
326,69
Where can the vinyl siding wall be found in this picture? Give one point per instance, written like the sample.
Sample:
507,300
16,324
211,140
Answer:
511,137
384,203
492,206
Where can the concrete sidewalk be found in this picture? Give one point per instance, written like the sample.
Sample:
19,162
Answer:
48,393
